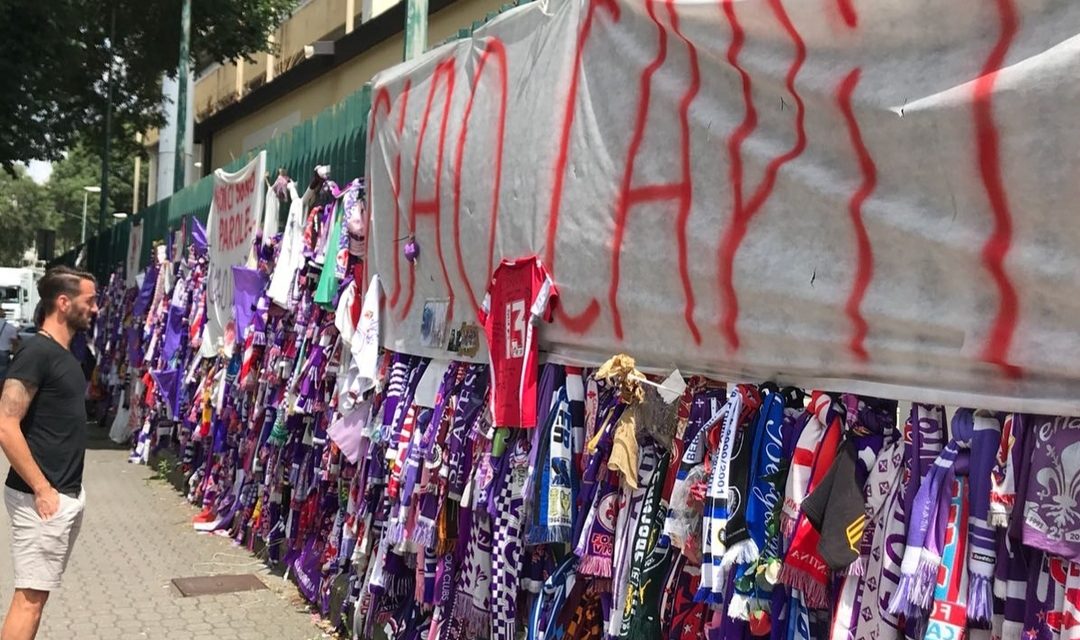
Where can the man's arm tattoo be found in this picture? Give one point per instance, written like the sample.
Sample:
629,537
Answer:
16,398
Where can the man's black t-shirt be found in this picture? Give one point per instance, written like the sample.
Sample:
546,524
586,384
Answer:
55,423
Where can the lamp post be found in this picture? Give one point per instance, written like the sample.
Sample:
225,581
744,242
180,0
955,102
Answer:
86,199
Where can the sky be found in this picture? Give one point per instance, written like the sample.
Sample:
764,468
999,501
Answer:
39,171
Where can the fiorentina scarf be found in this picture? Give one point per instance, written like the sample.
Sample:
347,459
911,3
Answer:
982,542
596,545
506,539
804,569
1051,515
947,617
471,608
714,521
882,493
553,499
927,521
1003,480
1010,586
1045,597
467,411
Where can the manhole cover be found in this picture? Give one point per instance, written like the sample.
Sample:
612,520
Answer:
215,585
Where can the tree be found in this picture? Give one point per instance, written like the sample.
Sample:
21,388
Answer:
81,167
54,61
24,208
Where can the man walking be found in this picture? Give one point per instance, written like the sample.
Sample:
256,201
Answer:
43,435
9,335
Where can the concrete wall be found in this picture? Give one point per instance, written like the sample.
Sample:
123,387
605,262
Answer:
229,143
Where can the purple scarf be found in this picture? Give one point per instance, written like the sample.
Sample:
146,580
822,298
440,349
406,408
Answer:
1051,519
922,558
982,543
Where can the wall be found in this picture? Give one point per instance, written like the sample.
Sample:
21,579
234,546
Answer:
345,80
311,21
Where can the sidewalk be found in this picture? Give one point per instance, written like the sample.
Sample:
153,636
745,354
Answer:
136,537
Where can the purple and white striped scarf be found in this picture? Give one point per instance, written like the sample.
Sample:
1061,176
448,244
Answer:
982,542
472,608
507,540
922,558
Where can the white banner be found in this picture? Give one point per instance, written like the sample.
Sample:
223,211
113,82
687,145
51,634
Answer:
134,252
878,197
235,213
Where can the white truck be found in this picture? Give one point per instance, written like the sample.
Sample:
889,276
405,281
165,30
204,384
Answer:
18,294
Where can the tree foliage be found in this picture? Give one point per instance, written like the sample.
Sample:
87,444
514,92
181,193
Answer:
81,167
54,58
24,208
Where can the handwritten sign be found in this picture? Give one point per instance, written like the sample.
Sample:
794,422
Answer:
235,212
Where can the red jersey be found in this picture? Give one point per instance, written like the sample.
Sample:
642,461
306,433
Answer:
520,294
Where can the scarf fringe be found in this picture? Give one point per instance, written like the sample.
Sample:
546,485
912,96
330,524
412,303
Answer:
998,519
477,621
915,590
541,534
424,534
395,533
980,598
922,594
857,569
813,592
743,552
739,607
595,566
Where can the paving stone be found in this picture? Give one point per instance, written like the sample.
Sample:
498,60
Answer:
137,536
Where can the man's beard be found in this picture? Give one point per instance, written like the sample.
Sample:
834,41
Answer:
78,322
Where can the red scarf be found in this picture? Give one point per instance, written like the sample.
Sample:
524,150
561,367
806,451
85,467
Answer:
804,568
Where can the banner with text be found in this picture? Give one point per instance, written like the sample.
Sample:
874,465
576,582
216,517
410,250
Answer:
877,197
235,213
134,254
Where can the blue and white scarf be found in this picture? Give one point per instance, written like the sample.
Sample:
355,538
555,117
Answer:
553,513
717,510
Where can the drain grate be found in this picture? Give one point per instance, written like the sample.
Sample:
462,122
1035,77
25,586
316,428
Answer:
216,585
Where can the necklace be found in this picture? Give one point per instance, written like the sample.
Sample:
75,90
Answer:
51,336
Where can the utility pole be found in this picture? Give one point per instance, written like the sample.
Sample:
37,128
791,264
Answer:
180,166
416,14
108,125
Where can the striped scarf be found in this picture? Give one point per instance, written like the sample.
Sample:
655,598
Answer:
715,516
553,498
927,522
982,541
804,569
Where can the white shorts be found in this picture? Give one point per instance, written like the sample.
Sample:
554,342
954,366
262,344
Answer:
40,549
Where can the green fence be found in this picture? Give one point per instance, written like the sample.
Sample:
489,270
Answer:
337,136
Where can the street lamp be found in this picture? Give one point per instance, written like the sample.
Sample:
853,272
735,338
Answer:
86,197
119,215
